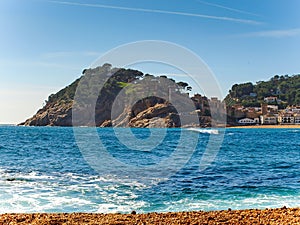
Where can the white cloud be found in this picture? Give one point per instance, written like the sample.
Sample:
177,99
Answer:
64,54
227,8
223,18
274,33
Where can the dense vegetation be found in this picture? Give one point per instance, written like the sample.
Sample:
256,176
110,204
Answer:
119,79
99,88
285,88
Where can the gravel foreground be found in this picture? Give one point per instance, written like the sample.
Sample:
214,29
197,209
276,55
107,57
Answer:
252,216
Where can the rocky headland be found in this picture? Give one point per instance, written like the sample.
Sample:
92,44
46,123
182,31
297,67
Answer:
106,96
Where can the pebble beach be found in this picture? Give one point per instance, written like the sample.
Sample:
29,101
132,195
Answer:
252,216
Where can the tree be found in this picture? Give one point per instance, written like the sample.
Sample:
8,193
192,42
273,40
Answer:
283,87
297,97
83,71
182,85
207,112
107,66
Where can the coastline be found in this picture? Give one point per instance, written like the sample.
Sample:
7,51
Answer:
290,126
249,216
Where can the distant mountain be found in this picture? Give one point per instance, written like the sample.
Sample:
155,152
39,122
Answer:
285,89
135,95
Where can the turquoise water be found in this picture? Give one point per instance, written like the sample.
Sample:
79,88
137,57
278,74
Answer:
42,169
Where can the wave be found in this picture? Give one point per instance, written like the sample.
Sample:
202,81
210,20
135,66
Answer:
204,130
69,192
258,201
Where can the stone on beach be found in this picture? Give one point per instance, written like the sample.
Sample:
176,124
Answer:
282,215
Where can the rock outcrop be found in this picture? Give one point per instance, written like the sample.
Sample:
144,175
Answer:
52,115
159,115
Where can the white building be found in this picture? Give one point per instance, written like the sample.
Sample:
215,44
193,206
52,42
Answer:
268,119
248,121
270,99
297,118
286,118
294,109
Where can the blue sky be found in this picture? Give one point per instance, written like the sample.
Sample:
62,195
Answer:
44,45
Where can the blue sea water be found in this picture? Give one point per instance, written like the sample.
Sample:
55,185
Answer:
45,169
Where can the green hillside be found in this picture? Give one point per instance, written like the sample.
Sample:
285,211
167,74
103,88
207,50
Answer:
286,88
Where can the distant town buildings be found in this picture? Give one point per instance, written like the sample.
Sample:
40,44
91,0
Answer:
290,115
270,99
265,115
237,114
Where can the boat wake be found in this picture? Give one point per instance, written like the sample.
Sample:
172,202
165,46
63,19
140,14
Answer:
204,130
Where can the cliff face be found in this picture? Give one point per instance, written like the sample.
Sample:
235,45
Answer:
155,115
136,110
150,112
52,115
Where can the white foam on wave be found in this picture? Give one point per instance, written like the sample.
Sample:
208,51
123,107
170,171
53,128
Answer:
261,201
119,208
11,176
50,202
204,130
35,192
122,201
108,195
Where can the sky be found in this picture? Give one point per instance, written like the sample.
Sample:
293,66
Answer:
45,44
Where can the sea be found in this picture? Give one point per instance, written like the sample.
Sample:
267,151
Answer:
109,170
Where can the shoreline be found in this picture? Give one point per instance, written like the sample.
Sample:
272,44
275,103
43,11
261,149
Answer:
287,126
249,216
283,126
